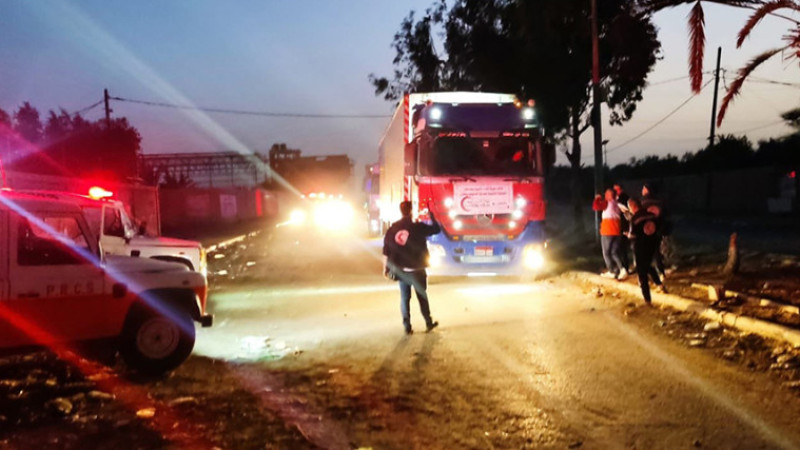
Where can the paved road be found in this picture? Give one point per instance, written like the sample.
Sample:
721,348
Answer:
513,365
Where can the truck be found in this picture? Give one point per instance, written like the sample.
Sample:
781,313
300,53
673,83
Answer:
59,291
475,162
109,220
371,188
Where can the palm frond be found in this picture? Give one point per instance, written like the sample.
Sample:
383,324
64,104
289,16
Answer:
651,6
741,76
761,12
697,37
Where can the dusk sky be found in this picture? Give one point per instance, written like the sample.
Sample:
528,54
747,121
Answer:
314,56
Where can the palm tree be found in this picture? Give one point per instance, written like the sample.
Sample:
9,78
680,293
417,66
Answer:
791,45
696,25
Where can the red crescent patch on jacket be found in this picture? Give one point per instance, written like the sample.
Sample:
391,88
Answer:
401,237
649,228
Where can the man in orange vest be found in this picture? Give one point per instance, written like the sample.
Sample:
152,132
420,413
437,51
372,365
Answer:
611,235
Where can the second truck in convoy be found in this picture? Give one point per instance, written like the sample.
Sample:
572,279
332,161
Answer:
476,162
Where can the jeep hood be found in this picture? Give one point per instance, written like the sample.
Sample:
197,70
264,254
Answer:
161,241
129,264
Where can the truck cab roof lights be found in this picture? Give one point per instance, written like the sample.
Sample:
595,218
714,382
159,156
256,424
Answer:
98,193
457,224
448,202
521,202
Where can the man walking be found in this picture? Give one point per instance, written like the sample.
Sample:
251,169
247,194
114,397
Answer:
656,207
405,253
610,235
646,237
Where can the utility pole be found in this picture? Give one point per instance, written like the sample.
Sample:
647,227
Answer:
106,98
714,106
596,119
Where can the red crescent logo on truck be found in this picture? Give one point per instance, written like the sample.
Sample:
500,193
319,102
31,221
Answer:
464,200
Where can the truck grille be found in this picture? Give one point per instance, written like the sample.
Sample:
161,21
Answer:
484,237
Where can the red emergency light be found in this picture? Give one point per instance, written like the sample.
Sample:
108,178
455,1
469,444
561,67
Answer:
97,193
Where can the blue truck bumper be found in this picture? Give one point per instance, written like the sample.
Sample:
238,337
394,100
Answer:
486,258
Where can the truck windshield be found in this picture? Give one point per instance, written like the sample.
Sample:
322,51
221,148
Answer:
488,157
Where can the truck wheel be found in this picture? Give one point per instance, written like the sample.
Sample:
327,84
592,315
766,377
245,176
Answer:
152,343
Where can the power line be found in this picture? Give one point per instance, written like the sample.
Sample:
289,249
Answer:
659,122
776,82
760,127
252,113
671,80
88,108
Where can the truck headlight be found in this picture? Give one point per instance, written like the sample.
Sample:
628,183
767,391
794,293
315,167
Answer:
333,215
436,254
533,256
297,216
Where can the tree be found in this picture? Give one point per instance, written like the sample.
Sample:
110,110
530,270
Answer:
5,119
6,133
792,118
791,39
28,124
535,49
761,9
696,26
69,145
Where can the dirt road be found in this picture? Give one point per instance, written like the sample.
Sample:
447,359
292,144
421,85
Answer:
310,352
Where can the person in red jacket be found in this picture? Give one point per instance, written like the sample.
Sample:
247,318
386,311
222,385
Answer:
611,234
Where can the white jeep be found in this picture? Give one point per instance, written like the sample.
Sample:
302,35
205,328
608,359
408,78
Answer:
109,220
58,289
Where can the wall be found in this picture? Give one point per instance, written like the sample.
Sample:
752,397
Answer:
737,191
203,207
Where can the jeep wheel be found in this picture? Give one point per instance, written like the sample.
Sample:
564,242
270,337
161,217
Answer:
153,343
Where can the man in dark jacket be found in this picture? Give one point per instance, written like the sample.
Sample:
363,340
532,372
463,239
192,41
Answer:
405,251
655,206
645,235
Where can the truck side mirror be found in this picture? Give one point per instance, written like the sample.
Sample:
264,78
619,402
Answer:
410,159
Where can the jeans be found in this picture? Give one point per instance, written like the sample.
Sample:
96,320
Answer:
611,253
417,279
624,246
645,252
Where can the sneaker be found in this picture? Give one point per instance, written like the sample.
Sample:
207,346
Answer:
623,274
608,275
409,331
430,327
662,289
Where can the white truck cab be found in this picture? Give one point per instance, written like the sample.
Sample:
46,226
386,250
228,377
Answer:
109,220
56,289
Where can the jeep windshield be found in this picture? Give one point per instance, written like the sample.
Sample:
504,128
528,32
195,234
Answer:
462,156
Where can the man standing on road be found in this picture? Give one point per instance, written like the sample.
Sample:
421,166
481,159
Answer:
405,253
610,235
646,237
625,244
